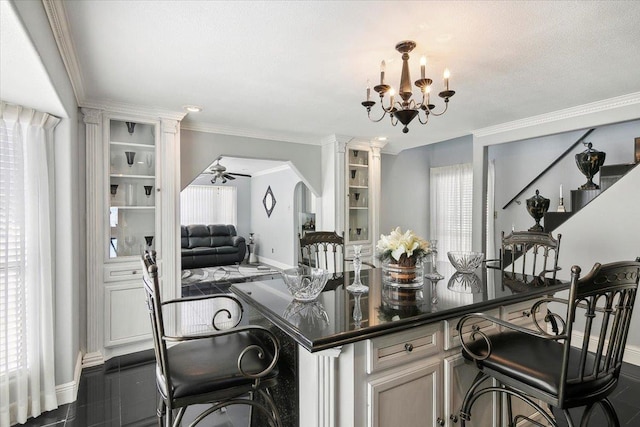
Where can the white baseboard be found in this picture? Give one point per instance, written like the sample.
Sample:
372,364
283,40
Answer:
92,359
68,392
631,352
274,263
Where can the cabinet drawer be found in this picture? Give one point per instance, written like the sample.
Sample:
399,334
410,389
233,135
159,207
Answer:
403,347
452,337
119,272
520,313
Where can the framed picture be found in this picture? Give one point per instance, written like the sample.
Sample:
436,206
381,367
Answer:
637,151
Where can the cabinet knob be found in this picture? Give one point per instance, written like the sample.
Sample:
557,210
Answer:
408,347
454,418
440,421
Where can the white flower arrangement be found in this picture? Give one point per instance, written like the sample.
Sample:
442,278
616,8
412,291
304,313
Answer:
405,248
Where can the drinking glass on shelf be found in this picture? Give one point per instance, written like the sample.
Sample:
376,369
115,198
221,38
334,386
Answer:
130,241
149,160
130,194
131,155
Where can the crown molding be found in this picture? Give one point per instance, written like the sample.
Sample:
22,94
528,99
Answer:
60,26
280,168
580,110
131,109
252,133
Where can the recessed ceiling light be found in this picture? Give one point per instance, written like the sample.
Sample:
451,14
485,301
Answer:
381,138
192,108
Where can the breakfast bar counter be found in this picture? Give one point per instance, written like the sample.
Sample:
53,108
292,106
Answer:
329,320
391,356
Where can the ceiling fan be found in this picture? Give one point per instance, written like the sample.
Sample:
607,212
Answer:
220,172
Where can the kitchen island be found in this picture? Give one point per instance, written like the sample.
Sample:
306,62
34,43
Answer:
391,356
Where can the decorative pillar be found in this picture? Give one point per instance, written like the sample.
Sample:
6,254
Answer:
318,387
168,201
95,216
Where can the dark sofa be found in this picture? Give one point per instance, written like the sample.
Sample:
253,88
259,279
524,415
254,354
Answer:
211,245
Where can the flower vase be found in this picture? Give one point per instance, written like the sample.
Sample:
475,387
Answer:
403,275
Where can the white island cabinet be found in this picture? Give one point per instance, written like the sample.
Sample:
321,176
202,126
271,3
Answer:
398,361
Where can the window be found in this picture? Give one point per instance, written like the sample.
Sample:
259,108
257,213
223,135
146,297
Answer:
451,195
208,204
27,377
12,255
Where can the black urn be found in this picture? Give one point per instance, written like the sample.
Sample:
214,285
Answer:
589,162
537,206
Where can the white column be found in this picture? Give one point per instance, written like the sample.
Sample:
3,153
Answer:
318,387
375,191
168,205
95,216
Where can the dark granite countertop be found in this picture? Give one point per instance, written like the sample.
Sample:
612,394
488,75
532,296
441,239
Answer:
329,320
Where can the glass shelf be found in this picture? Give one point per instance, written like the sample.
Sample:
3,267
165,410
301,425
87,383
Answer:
132,188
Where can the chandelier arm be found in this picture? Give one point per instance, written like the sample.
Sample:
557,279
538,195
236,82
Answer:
446,105
426,120
392,122
384,113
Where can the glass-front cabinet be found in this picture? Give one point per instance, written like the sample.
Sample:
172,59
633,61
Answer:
362,197
358,196
132,188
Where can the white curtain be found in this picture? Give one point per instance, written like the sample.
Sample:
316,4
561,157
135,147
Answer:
208,204
27,382
451,194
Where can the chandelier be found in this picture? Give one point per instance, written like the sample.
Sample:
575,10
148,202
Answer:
406,110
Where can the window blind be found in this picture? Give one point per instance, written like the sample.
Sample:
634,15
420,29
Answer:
12,254
208,204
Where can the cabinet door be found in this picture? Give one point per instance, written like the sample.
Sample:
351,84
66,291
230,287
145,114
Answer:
409,397
358,218
132,188
458,377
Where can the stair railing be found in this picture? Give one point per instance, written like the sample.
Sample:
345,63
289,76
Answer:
552,164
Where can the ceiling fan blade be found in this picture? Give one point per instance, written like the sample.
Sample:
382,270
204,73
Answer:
239,174
228,176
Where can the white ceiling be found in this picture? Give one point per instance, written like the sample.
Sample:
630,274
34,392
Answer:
297,70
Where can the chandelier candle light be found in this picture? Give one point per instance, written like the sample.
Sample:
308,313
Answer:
406,110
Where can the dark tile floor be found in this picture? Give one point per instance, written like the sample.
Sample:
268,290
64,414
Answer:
122,393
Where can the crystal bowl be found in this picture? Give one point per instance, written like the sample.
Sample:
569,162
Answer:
464,261
305,283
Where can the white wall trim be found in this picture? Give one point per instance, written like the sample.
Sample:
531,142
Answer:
60,26
281,168
131,109
274,263
68,392
580,110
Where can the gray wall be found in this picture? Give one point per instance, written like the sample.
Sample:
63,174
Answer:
275,235
199,149
70,221
517,163
405,183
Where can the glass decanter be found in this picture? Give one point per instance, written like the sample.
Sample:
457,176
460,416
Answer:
357,285
433,275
